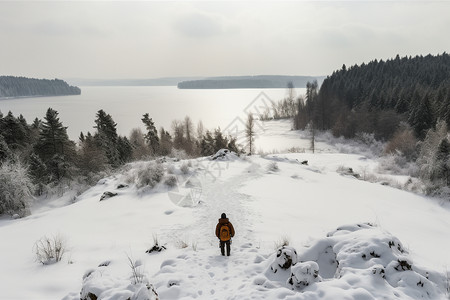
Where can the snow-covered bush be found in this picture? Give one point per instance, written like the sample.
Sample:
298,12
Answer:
50,250
368,139
347,171
360,256
184,168
178,154
285,258
150,175
304,274
156,247
433,160
171,181
15,188
273,167
101,284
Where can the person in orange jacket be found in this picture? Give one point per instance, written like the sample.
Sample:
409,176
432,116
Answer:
224,231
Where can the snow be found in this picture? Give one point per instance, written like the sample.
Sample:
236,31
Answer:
353,239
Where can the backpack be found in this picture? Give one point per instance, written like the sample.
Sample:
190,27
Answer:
224,234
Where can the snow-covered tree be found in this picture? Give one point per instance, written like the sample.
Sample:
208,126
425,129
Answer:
54,147
5,152
433,155
107,137
15,188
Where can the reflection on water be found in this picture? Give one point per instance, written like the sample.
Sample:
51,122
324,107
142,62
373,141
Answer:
127,105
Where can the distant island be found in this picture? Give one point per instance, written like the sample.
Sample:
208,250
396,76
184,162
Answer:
12,87
223,82
243,82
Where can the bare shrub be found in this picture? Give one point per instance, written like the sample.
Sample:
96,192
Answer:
402,141
50,250
194,246
182,244
170,169
150,175
171,181
156,247
137,274
296,150
184,168
273,167
283,241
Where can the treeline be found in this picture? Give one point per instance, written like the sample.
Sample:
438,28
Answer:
376,97
237,82
11,86
39,159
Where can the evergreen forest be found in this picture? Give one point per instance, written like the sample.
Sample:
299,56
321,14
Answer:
11,86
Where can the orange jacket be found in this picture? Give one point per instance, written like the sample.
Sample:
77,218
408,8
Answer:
224,222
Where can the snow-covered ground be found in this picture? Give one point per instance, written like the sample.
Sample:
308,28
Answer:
348,238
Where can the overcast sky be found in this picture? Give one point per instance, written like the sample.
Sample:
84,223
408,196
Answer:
159,39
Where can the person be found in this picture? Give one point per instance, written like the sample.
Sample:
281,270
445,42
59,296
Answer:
224,231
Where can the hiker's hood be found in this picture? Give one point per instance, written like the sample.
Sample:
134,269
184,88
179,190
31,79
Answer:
223,221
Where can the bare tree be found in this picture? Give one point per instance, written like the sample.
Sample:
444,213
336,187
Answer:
178,134
140,148
188,130
250,133
200,130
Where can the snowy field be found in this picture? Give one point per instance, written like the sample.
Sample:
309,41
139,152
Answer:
348,238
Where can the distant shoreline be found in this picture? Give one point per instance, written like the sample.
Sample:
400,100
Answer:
223,82
34,96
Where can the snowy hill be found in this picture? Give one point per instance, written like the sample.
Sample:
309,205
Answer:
348,238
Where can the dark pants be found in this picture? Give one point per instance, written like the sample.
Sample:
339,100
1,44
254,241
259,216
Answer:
222,247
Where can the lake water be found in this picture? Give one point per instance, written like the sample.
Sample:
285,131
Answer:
225,108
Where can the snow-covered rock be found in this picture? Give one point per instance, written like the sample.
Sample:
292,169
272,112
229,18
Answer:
107,195
224,154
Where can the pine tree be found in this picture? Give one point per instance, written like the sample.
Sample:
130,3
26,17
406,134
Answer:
152,133
38,173
14,131
125,149
220,141
91,158
53,137
107,137
54,147
421,118
207,144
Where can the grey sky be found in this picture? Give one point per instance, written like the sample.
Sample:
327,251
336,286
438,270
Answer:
159,39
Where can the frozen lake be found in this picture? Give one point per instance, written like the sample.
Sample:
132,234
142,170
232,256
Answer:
226,108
